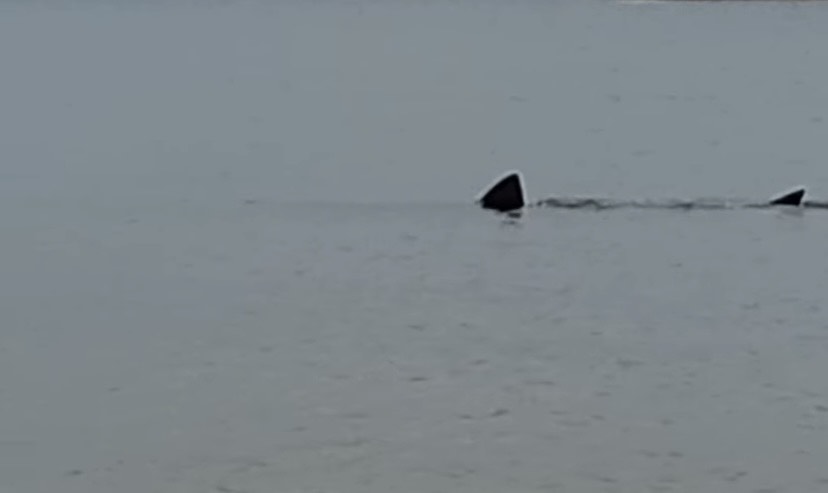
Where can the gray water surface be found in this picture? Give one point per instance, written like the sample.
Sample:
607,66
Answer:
240,254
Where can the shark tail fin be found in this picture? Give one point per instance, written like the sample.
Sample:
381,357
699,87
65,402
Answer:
793,198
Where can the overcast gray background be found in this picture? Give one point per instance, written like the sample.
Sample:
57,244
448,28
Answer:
239,253
412,101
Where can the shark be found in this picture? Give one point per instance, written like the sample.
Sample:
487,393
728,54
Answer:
507,195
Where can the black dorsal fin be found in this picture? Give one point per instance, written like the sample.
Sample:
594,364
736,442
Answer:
506,194
791,198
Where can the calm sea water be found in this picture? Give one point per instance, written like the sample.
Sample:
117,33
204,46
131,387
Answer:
240,254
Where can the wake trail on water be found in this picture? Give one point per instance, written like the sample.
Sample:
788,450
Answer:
600,204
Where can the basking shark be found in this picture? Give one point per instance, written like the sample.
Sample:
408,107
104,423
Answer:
506,195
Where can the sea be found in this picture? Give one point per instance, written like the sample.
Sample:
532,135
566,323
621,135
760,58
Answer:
241,253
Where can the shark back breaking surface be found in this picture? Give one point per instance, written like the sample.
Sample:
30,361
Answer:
506,195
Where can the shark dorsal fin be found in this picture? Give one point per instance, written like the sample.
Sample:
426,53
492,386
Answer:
505,195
